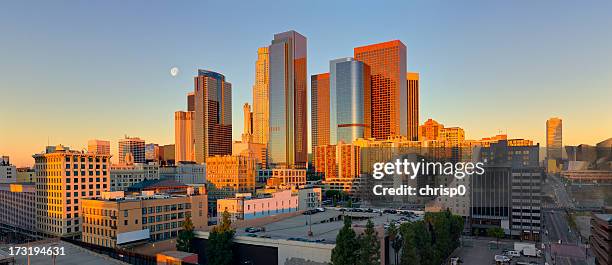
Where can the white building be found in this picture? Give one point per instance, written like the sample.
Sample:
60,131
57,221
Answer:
124,176
8,172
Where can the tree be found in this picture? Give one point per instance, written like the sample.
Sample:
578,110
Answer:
369,246
410,251
497,233
396,241
346,242
219,248
183,243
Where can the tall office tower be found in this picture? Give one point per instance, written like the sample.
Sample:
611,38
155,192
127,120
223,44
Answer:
554,138
131,150
98,146
349,91
261,97
248,119
191,101
320,110
412,84
287,147
183,136
387,63
213,115
63,178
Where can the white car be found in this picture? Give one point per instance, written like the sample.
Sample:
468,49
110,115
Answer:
501,258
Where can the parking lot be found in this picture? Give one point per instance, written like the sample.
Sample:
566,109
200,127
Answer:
482,251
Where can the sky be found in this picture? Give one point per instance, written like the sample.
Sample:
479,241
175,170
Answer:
77,70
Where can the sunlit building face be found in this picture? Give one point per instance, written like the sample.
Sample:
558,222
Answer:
288,110
387,63
350,95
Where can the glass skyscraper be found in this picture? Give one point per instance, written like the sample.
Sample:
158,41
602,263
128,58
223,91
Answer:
288,146
350,100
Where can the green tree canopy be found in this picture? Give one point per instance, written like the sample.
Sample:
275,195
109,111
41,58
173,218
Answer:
346,245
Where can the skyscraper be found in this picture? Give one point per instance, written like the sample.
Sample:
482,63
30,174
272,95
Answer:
320,110
261,97
554,138
213,115
98,146
387,63
350,100
248,119
412,84
191,101
183,136
287,145
131,150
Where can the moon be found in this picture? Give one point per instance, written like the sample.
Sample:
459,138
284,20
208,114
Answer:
174,71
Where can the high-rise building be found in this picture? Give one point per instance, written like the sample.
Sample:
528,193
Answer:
98,146
320,101
387,62
152,153
287,145
350,108
131,150
191,101
261,97
183,136
63,178
248,119
454,136
213,115
167,154
554,138
412,84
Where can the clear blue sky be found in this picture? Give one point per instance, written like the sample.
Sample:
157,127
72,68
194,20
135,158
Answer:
77,70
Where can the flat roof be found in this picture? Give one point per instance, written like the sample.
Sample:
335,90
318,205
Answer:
325,225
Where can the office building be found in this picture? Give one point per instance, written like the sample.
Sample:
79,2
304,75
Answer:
63,178
341,165
430,130
387,62
554,138
25,174
234,174
152,153
184,140
131,150
283,178
124,176
18,207
412,84
454,136
98,146
491,202
115,220
288,145
167,155
191,101
244,206
185,172
213,115
601,237
349,91
8,172
320,100
261,97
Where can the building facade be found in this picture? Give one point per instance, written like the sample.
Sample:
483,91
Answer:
601,239
412,84
184,141
99,146
245,207
131,150
261,97
320,100
213,115
114,220
554,138
8,172
387,62
350,109
63,178
185,172
288,144
18,206
124,176
234,174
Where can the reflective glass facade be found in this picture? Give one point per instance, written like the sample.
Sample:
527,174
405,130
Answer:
287,146
350,94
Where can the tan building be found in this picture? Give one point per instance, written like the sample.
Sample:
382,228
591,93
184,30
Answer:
26,174
114,220
17,206
248,147
63,178
184,141
430,130
124,176
283,178
261,97
412,85
454,136
235,174
98,146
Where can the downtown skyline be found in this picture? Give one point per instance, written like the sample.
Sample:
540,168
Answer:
140,99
